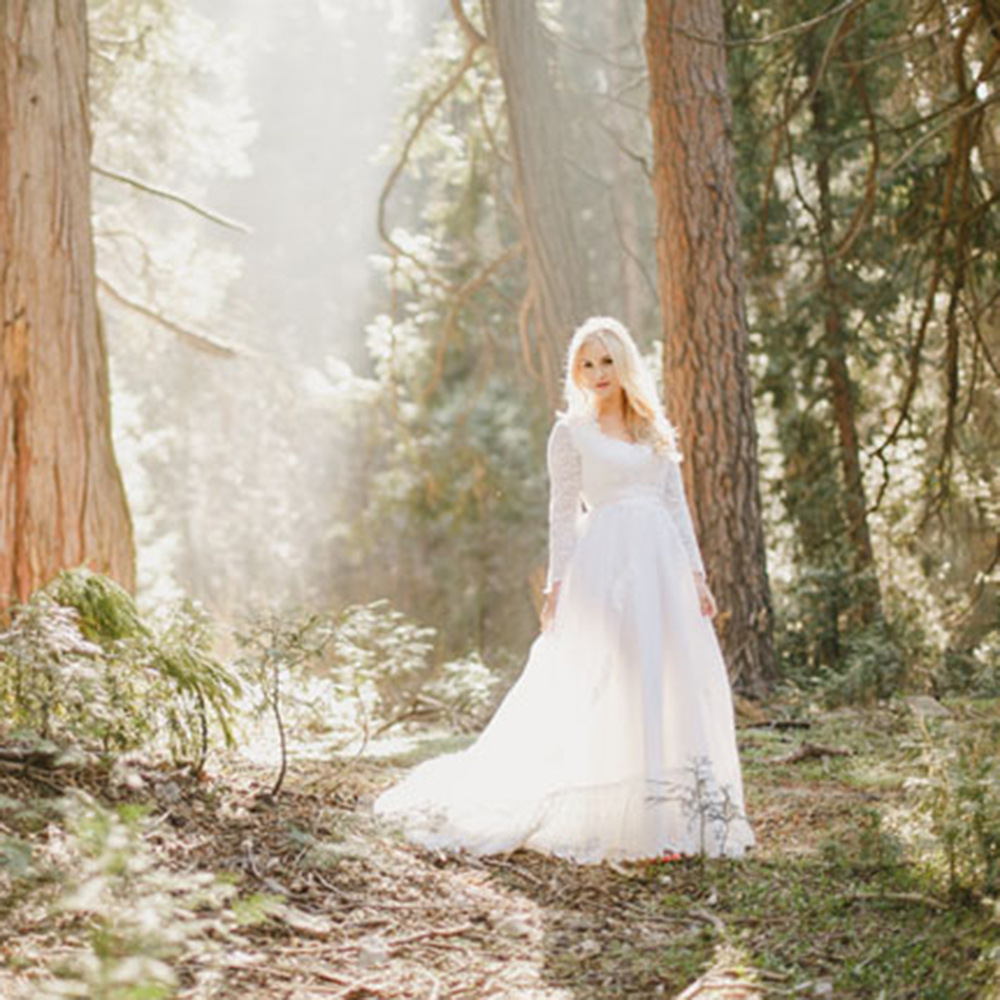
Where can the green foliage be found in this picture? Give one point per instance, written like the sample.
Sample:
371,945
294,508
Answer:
204,690
105,611
873,666
975,672
385,659
16,857
823,648
138,917
78,664
381,655
959,796
354,675
256,908
860,183
273,650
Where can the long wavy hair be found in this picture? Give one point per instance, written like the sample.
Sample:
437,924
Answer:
644,417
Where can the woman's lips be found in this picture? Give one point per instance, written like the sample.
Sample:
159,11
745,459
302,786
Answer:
603,385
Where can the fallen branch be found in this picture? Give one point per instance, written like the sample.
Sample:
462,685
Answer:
432,932
899,897
710,918
780,724
809,751
29,756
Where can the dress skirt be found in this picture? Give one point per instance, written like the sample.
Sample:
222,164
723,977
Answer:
617,741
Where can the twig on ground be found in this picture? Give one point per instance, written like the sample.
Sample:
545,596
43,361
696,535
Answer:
809,751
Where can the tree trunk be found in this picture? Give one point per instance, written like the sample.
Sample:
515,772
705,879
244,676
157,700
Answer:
558,295
706,371
868,607
61,496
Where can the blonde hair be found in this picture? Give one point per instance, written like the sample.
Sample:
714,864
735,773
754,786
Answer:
644,416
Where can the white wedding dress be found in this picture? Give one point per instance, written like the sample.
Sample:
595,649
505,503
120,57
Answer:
617,741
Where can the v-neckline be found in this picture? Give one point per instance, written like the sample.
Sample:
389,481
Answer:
610,437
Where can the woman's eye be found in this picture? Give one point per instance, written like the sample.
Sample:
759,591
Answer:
588,364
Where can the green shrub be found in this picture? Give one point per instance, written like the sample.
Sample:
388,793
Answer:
959,795
138,918
79,665
355,675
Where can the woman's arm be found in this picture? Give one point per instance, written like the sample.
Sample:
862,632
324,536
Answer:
565,483
679,511
677,504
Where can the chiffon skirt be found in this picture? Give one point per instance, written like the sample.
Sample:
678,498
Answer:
617,741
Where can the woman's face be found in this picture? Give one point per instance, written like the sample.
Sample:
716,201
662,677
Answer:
596,370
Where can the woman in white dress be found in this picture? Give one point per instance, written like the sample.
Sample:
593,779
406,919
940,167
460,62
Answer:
617,741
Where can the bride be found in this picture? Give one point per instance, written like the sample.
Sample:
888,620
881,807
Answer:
617,741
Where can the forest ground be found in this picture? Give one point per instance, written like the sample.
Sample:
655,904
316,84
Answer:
838,899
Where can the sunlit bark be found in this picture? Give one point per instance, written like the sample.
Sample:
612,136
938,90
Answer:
61,496
558,296
706,369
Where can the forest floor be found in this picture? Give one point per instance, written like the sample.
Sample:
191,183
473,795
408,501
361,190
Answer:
838,899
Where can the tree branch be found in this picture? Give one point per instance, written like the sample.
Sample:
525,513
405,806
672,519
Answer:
199,341
422,119
461,294
159,192
472,34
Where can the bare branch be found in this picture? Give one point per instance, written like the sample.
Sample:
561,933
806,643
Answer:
970,108
846,7
472,34
199,341
422,119
458,301
178,199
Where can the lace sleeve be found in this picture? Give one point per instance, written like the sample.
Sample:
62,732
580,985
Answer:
564,500
678,506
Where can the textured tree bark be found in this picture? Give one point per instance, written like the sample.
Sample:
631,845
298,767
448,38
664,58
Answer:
61,498
558,296
706,370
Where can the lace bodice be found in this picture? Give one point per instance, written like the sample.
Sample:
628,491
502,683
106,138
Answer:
590,469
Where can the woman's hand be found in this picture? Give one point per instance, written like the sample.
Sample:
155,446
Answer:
549,607
705,597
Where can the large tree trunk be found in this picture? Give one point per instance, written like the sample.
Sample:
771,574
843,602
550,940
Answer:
558,296
706,371
61,496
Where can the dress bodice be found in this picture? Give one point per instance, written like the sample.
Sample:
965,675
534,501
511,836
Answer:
589,469
613,470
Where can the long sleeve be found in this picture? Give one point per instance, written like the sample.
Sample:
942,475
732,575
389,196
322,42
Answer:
565,483
677,504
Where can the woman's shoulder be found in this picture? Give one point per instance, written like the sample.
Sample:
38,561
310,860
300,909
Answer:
563,435
566,425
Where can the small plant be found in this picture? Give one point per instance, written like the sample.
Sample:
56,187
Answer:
873,667
79,665
138,919
203,690
710,808
385,656
959,794
465,689
386,660
970,671
50,673
354,676
273,650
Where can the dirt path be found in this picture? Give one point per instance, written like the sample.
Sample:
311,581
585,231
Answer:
824,907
